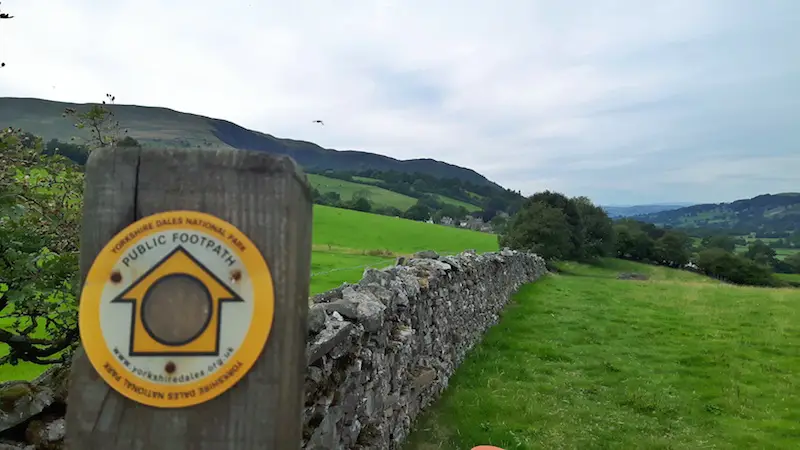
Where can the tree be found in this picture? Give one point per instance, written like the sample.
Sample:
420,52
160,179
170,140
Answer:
598,228
761,253
360,204
673,249
41,196
101,124
734,268
632,242
388,211
574,223
362,194
539,228
418,211
793,261
726,243
498,224
75,152
40,212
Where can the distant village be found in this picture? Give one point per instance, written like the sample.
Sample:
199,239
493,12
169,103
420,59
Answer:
470,222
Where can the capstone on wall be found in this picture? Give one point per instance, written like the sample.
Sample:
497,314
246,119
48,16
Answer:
382,350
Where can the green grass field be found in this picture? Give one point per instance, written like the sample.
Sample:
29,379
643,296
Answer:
582,360
782,253
452,201
355,230
377,195
793,277
345,243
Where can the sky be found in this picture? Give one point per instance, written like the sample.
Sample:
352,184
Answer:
626,102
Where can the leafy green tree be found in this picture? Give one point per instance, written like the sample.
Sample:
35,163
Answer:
328,198
40,213
734,268
632,242
418,211
793,261
598,228
75,152
499,224
761,253
360,204
574,222
673,249
539,228
388,211
794,239
362,193
723,242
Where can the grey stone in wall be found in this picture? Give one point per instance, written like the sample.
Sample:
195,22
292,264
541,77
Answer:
382,350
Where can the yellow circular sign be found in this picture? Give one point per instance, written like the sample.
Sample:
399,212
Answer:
176,309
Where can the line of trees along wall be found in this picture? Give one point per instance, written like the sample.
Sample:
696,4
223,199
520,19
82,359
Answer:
382,350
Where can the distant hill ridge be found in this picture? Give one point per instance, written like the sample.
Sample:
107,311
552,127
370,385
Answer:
636,210
767,215
154,126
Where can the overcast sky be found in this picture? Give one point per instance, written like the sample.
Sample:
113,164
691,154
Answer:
626,102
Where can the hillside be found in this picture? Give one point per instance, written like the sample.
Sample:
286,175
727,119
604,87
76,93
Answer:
769,215
636,210
153,126
346,189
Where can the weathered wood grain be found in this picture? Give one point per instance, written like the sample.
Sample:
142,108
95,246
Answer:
267,197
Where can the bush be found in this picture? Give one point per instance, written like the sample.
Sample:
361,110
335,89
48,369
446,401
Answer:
40,212
734,268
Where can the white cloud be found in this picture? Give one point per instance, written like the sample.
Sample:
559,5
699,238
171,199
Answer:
511,89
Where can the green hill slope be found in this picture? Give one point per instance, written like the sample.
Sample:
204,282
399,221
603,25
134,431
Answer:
770,214
636,210
161,126
342,228
377,195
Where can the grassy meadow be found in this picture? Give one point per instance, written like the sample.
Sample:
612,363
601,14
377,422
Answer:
582,360
346,242
378,196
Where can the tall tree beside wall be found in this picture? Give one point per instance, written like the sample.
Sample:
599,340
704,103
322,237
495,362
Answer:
558,227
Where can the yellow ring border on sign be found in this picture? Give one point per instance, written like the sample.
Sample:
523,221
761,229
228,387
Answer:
255,340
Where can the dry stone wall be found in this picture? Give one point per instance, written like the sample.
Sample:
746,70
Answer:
382,350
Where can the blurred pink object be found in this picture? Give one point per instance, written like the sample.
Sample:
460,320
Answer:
486,447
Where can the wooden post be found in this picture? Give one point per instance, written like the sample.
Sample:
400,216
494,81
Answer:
267,198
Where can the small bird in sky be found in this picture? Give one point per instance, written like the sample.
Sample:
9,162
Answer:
319,122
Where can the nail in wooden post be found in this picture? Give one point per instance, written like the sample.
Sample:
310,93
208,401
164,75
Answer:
214,259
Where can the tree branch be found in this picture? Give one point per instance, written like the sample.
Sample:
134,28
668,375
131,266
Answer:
25,348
